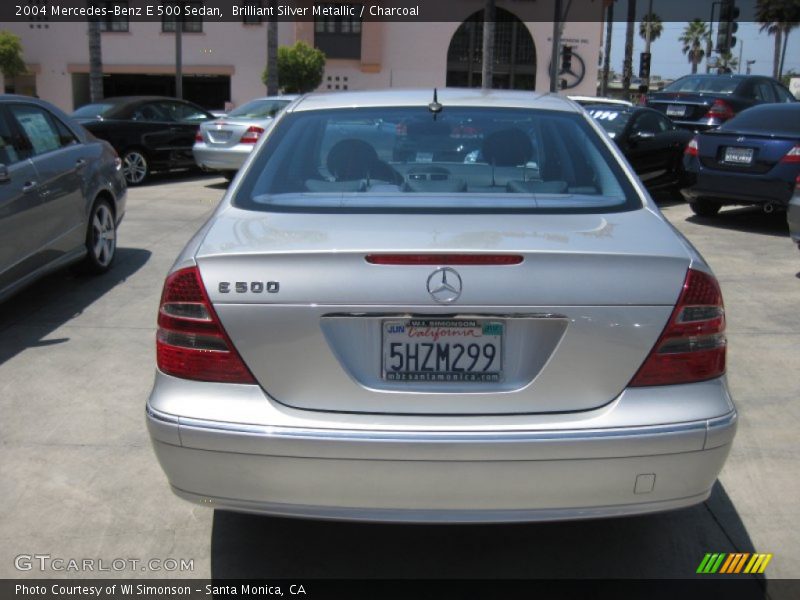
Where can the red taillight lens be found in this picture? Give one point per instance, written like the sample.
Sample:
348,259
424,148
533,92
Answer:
692,148
692,346
400,129
444,259
793,155
191,342
720,110
251,135
198,137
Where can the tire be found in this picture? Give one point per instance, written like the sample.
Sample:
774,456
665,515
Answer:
705,208
229,175
135,166
101,239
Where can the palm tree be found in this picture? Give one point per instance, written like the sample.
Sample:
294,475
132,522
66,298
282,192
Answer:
95,61
728,62
656,27
694,36
607,52
272,53
487,71
627,63
767,15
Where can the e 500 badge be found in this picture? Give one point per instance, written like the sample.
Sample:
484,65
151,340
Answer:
254,287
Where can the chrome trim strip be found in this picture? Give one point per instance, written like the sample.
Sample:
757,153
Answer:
297,433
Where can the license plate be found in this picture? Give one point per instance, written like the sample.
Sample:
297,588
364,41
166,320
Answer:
219,136
443,350
676,110
739,156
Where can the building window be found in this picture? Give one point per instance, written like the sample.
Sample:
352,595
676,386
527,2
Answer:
339,36
253,19
111,23
191,24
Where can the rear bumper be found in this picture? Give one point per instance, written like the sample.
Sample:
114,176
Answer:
222,159
735,188
496,469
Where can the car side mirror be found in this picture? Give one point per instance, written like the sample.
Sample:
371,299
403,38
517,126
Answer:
4,175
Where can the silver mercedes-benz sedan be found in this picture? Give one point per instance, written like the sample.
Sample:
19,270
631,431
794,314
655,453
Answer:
517,338
225,143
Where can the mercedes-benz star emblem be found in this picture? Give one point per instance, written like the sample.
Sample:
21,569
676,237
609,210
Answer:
444,285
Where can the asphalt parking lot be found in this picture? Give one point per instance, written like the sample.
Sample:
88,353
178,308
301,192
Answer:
79,479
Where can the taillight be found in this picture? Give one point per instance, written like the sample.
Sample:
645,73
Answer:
720,110
692,149
251,135
198,137
191,342
400,129
444,259
793,155
692,346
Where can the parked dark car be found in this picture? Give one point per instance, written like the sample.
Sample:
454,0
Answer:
150,133
699,102
651,142
752,159
62,194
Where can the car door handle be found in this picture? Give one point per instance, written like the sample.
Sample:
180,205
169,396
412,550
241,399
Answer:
80,163
29,186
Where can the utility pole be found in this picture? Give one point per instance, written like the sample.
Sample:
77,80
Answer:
272,51
739,65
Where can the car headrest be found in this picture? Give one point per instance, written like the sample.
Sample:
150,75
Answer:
507,148
351,159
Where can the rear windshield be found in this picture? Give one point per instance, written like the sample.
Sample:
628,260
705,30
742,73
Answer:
697,83
259,109
463,159
613,121
768,119
92,111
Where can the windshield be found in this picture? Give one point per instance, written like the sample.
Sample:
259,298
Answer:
259,109
696,83
613,121
409,158
92,111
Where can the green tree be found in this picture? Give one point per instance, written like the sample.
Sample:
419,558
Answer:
693,38
300,68
778,18
11,63
656,27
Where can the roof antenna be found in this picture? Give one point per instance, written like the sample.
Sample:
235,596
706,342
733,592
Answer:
434,106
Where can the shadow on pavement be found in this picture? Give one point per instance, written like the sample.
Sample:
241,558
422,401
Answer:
666,545
749,219
63,294
179,176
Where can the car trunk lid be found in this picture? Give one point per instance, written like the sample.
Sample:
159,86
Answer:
315,320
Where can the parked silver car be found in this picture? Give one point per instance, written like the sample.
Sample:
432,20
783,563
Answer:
352,336
62,194
224,144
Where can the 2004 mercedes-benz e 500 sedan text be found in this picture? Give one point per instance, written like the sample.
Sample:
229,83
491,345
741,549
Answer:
518,336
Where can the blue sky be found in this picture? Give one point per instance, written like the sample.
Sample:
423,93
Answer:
669,62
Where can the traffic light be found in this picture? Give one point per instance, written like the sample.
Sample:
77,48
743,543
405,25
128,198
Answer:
566,59
728,13
644,65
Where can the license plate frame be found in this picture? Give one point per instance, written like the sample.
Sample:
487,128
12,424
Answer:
436,341
676,110
736,155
